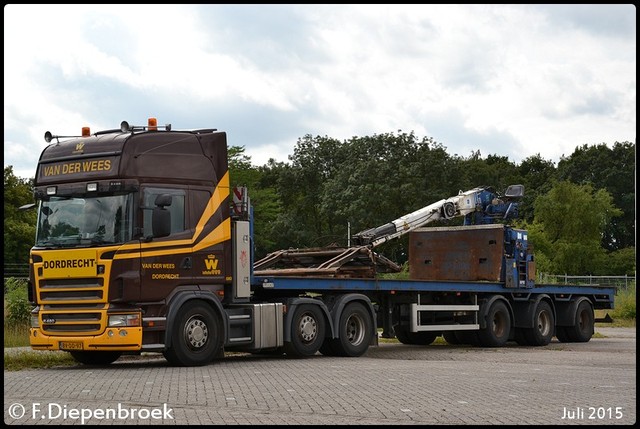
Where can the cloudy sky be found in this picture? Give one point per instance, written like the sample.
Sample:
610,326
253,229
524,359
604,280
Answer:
515,80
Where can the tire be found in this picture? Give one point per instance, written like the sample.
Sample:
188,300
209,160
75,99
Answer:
519,337
422,338
355,330
271,352
327,347
498,329
561,334
307,331
198,335
95,358
401,334
583,322
468,337
544,322
451,337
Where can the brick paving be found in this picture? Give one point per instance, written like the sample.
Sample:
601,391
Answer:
392,384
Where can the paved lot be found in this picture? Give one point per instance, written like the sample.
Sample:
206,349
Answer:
393,384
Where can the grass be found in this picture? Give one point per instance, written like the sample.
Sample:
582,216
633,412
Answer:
16,335
16,361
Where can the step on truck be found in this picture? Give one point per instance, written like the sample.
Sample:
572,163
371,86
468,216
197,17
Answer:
143,245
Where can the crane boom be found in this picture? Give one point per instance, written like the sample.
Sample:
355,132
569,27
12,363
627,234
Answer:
477,205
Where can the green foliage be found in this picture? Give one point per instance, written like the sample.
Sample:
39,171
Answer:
536,176
17,303
621,262
625,304
611,168
19,225
36,359
569,222
16,334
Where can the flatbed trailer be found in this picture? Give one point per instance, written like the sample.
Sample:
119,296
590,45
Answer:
446,307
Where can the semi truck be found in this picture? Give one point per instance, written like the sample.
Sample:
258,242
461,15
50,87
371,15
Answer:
143,245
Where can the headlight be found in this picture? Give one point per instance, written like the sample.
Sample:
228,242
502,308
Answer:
35,321
122,320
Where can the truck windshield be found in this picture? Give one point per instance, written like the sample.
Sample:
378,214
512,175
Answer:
86,221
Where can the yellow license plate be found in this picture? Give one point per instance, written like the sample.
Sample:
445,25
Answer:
70,345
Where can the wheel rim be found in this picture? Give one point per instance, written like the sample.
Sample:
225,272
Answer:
544,323
583,320
355,329
499,324
196,332
308,328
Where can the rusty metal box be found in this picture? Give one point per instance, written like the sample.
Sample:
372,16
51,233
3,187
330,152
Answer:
459,253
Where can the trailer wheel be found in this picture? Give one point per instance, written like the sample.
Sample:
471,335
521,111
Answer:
467,337
498,328
542,332
354,331
423,338
96,358
561,334
582,329
307,331
197,338
327,347
519,337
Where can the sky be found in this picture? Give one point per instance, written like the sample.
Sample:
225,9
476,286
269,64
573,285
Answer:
507,80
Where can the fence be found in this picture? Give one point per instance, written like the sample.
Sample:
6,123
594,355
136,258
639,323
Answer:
620,282
16,270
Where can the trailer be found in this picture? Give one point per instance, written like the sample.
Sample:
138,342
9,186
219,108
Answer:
142,245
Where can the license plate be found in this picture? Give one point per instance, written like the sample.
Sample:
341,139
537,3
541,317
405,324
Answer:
70,345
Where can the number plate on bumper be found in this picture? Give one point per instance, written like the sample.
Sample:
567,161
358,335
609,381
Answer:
70,345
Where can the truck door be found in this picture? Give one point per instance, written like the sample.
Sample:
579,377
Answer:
165,262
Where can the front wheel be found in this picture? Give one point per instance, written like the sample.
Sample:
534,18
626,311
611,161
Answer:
96,358
197,336
307,331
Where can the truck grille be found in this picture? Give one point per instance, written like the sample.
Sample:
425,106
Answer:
72,306
72,291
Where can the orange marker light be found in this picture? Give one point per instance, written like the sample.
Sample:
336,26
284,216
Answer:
153,124
86,131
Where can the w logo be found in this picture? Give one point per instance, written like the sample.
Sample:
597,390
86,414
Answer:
211,264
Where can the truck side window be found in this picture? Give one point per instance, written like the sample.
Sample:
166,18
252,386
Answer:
176,208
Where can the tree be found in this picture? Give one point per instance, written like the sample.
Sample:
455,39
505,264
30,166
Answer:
19,225
537,175
263,198
569,223
613,169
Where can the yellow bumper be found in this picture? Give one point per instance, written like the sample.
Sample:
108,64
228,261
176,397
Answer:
114,339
